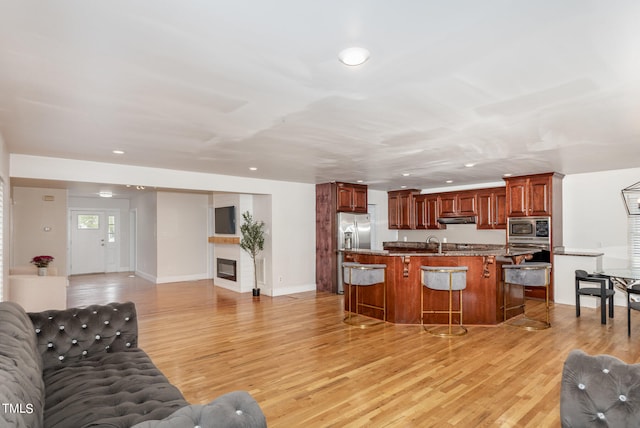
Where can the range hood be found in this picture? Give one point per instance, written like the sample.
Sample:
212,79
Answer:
457,220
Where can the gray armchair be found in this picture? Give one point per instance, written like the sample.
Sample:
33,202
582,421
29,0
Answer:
599,391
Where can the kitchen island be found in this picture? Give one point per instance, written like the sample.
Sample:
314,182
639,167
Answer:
482,299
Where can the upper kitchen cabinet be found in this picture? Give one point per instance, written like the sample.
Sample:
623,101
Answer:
534,195
401,208
427,208
351,197
456,204
492,208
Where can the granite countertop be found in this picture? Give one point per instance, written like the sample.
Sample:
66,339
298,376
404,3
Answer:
577,253
402,248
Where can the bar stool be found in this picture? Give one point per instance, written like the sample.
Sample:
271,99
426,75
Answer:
601,291
527,275
364,275
444,278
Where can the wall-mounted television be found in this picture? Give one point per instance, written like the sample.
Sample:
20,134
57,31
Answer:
225,220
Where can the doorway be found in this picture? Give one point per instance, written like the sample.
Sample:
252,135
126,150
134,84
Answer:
94,241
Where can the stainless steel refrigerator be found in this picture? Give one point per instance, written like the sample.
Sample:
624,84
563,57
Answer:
354,233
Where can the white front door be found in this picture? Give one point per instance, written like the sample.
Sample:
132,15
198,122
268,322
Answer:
88,240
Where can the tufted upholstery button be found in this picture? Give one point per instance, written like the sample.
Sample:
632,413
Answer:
128,345
74,341
581,386
623,397
118,333
61,357
107,348
84,352
38,331
601,416
50,345
605,371
238,412
97,337
84,326
95,312
50,317
106,322
126,318
61,328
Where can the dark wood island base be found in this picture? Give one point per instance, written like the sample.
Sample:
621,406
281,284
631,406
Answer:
482,301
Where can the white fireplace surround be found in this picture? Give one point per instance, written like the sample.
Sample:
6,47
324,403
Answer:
244,264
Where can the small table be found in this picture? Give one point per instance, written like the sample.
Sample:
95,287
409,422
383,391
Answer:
627,280
623,277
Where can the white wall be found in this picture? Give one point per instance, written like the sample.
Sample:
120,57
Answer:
146,240
39,226
380,202
292,205
5,236
594,217
182,236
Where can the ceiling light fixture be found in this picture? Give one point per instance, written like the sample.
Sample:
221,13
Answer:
253,168
117,152
631,198
449,181
105,194
406,174
353,56
469,165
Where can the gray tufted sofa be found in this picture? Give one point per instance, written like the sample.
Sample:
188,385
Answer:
599,391
81,367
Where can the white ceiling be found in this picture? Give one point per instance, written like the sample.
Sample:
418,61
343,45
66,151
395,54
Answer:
220,86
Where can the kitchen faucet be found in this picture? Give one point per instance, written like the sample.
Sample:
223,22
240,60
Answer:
431,237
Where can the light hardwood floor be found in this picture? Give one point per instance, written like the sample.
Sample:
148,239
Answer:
307,368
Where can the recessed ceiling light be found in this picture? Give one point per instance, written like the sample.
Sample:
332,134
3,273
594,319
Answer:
117,152
508,174
354,56
105,194
360,181
449,181
406,174
403,187
253,168
470,165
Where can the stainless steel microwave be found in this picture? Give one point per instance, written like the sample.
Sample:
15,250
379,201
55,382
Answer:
529,230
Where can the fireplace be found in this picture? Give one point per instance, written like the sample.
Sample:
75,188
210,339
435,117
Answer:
226,269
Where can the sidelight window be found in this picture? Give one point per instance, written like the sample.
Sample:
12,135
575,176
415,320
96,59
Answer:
111,228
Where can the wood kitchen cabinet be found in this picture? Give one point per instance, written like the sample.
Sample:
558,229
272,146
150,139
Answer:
332,198
492,208
401,208
538,195
456,204
531,195
426,209
351,197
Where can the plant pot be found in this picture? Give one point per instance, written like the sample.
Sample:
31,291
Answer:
42,271
256,292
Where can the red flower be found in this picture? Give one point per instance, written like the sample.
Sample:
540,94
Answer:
42,261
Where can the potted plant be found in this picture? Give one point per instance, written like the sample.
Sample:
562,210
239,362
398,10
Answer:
42,262
252,242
